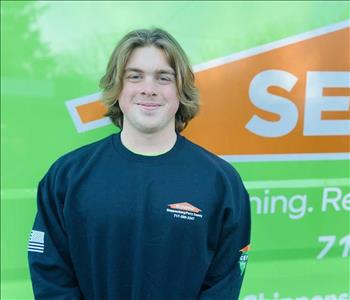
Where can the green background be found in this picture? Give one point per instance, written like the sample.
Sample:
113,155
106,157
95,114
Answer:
52,52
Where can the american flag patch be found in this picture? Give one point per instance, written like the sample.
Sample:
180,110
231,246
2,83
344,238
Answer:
36,241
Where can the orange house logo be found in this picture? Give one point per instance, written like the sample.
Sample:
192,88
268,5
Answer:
184,211
289,99
185,206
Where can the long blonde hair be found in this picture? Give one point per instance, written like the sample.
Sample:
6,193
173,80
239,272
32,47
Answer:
112,82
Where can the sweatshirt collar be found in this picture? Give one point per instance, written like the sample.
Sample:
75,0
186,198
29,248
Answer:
128,154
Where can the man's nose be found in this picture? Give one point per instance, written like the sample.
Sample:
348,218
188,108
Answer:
149,87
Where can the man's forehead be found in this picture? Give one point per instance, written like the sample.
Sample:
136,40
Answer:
148,58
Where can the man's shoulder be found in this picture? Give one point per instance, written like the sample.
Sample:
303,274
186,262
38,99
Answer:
81,155
213,165
206,157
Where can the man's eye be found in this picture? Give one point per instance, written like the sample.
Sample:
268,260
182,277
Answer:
134,77
165,79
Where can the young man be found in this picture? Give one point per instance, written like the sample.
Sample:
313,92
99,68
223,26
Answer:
143,214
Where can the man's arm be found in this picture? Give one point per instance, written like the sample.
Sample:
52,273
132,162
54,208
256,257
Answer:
48,254
225,275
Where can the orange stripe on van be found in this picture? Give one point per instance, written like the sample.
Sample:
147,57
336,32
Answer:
91,111
226,106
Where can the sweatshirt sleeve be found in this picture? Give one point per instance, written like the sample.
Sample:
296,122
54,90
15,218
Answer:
50,265
224,278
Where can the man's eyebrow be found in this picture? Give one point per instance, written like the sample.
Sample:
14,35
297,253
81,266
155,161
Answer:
159,71
170,72
133,70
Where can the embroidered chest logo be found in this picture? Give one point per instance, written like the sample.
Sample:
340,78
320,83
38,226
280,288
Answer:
184,210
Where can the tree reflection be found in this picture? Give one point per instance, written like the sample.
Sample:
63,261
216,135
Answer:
22,52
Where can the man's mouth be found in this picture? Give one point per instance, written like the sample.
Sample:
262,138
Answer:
149,106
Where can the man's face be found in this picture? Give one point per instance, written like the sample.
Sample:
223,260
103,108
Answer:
149,99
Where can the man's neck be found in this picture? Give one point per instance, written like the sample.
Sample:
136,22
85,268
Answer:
148,143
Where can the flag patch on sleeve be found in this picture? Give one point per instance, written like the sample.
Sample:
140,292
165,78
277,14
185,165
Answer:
36,241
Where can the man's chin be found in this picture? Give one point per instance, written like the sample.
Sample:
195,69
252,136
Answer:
149,129
153,127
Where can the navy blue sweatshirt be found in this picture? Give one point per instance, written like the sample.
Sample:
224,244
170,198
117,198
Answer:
112,224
